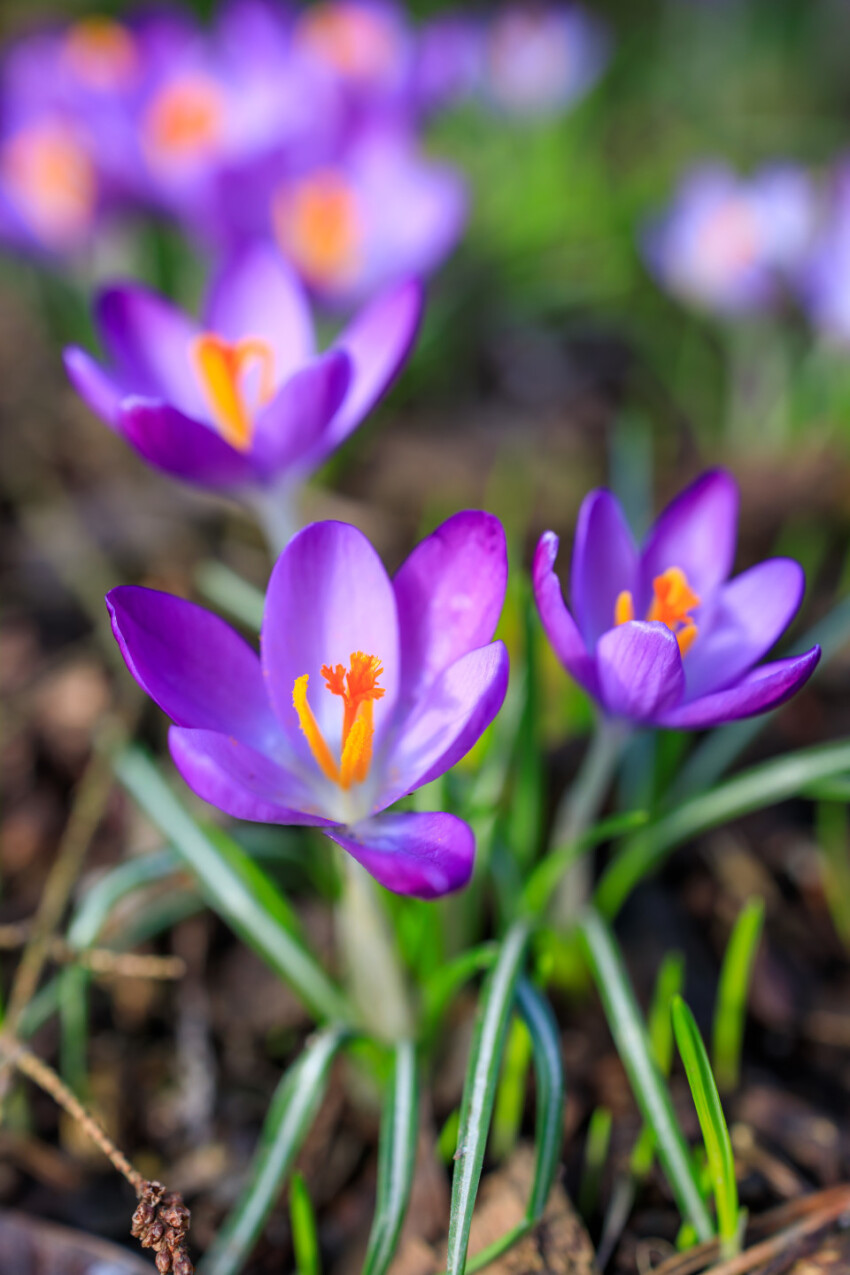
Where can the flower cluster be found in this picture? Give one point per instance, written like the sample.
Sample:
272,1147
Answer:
300,128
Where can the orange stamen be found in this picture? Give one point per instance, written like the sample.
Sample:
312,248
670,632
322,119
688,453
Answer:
221,366
310,727
358,688
674,600
102,53
624,608
317,223
185,119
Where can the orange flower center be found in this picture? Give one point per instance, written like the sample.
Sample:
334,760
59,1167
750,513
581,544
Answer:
350,39
358,688
223,369
318,226
674,600
101,53
185,120
52,178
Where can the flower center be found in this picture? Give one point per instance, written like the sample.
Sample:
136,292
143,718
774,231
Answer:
350,39
674,600
318,226
728,241
223,368
101,53
358,688
185,120
51,176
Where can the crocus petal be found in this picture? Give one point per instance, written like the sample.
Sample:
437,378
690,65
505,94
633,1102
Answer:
696,532
239,780
258,295
328,596
450,594
424,855
94,385
150,342
298,416
604,564
747,617
193,665
459,706
560,627
765,688
378,343
640,670
182,446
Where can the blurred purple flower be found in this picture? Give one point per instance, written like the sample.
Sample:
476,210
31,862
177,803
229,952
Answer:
50,194
824,278
240,401
365,689
449,61
661,636
728,243
539,58
366,46
380,213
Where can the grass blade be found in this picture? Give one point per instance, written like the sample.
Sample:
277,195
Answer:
305,1239
291,1113
718,1144
235,887
396,1159
543,881
549,1077
763,785
730,1011
479,1090
630,1036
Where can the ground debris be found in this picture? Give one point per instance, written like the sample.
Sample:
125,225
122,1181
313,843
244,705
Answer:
558,1244
161,1222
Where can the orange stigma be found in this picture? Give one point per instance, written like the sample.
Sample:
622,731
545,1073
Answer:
358,688
101,53
51,177
348,38
185,120
318,226
222,367
674,600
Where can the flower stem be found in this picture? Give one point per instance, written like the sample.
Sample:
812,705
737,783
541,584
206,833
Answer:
276,511
578,810
374,976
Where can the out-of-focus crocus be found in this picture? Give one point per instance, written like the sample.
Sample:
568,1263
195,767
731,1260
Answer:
379,214
540,58
824,278
449,60
366,688
729,244
366,46
659,635
240,401
50,196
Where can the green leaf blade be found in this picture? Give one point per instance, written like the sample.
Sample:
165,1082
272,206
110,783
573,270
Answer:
396,1159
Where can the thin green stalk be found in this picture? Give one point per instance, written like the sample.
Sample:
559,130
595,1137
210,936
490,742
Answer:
578,809
733,987
630,1036
376,981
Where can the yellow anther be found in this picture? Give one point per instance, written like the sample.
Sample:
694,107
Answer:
221,367
310,727
686,637
624,608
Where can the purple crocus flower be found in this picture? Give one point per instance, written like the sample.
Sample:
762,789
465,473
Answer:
541,57
661,636
51,197
366,688
240,401
727,243
378,213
